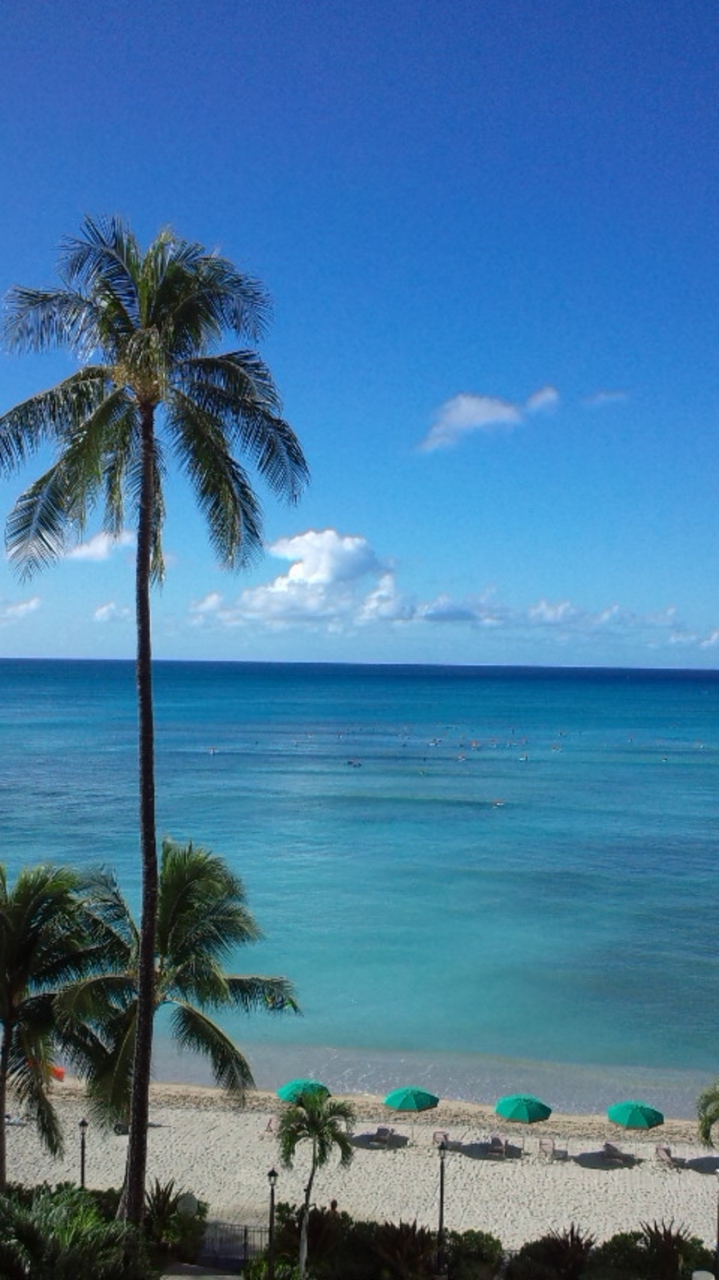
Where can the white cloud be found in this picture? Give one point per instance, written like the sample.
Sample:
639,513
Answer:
599,398
111,612
466,413
14,612
101,546
542,401
325,556
337,584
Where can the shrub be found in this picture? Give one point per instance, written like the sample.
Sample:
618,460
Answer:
472,1255
556,1256
61,1236
405,1251
168,1231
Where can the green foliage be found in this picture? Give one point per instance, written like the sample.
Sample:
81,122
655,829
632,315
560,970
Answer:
167,1231
708,1112
201,916
46,946
405,1251
472,1255
61,1235
556,1256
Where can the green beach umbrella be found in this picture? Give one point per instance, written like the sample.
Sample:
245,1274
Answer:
522,1107
294,1089
635,1115
410,1098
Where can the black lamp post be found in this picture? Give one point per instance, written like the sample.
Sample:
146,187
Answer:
440,1231
83,1131
272,1179
716,1266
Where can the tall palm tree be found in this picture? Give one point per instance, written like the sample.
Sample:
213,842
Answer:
324,1123
144,327
708,1112
44,945
201,918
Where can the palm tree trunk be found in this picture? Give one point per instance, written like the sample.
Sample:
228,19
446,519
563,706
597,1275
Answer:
306,1213
4,1067
140,1103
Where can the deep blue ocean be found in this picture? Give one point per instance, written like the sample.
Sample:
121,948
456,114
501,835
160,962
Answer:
472,875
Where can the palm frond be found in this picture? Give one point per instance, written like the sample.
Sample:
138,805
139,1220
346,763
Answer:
105,262
201,295
193,1030
251,992
51,414
237,389
224,493
39,319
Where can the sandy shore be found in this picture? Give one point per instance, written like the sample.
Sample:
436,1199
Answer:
223,1155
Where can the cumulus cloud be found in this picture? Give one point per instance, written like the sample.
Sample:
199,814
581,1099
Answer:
111,612
337,583
466,413
101,546
10,613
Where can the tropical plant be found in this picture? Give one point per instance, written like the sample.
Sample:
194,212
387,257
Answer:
168,1230
560,1255
473,1255
323,1122
62,1236
44,946
146,324
658,1251
406,1251
201,917
708,1112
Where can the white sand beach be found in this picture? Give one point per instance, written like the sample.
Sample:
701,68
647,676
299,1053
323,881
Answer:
223,1155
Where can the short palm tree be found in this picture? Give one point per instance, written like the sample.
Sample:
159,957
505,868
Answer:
44,945
708,1112
201,918
323,1122
144,327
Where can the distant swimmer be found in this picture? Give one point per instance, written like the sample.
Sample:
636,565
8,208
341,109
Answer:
355,764
213,751
524,757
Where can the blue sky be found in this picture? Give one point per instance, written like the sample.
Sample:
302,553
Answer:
490,233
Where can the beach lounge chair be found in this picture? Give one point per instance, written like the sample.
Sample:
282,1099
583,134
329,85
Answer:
615,1155
497,1146
664,1156
382,1137
440,1136
546,1148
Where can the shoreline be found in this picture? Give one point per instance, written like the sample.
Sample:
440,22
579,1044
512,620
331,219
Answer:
223,1153
569,1088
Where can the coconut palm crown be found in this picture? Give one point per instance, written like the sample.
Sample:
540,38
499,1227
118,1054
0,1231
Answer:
144,327
202,918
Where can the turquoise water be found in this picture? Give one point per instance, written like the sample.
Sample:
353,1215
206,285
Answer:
452,864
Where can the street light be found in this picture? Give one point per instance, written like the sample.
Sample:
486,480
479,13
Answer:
83,1131
272,1179
440,1231
716,1265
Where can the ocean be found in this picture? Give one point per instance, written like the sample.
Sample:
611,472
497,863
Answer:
478,878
